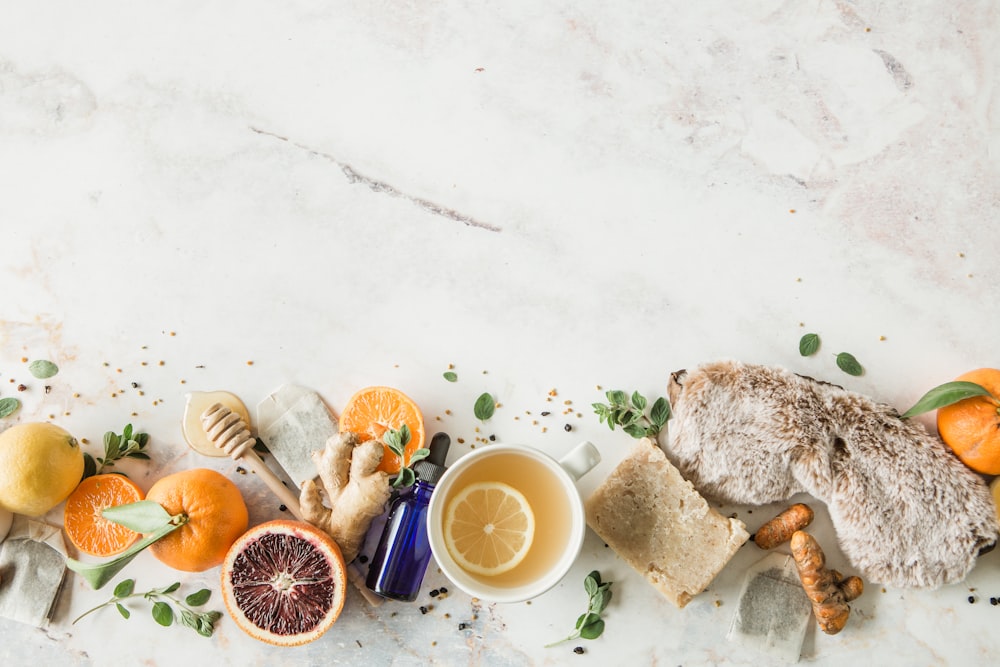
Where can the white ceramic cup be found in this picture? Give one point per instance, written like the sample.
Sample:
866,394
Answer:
565,534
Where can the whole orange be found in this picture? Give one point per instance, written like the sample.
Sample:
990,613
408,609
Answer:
216,516
971,427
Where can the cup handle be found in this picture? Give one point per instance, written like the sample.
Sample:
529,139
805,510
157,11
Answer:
580,460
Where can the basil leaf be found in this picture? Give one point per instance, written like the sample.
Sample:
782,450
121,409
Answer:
143,516
163,613
122,610
850,365
946,394
124,588
8,406
198,598
450,376
484,407
42,369
809,344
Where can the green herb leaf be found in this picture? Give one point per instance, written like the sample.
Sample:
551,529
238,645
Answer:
593,630
946,394
616,397
405,477
89,466
124,588
8,406
848,364
42,369
198,598
591,585
122,610
189,619
142,516
171,588
638,401
484,407
163,613
809,344
659,414
635,431
451,376
419,455
99,574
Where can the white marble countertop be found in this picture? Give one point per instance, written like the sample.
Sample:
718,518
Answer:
545,195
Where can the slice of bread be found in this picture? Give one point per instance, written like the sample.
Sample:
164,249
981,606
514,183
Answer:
660,525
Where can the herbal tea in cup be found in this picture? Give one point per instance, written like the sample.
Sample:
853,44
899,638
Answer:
506,522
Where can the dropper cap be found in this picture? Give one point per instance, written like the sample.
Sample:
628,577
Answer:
431,468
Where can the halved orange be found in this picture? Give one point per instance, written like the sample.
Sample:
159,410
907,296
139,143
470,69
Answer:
87,529
374,410
489,528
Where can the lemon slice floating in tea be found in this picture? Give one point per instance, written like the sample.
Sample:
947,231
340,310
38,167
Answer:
488,528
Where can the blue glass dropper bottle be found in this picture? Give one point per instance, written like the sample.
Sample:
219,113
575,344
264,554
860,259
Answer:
397,568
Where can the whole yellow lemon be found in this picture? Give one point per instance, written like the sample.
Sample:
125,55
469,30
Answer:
40,465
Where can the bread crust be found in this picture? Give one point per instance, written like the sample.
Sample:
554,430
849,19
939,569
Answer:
907,512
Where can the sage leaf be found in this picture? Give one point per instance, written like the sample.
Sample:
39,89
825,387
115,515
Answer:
451,376
198,598
8,406
946,394
163,613
124,588
42,369
809,344
484,407
143,516
847,363
99,574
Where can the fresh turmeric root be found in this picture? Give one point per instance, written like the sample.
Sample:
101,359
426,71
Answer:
828,591
780,528
355,490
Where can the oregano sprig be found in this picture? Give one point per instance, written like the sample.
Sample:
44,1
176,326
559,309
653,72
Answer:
397,440
630,413
127,445
590,625
202,622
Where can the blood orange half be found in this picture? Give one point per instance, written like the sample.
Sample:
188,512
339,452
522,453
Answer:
284,582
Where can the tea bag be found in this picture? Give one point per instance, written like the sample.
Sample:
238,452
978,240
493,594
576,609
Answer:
773,611
294,422
32,569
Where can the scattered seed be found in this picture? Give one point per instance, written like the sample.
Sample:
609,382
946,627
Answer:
282,507
362,559
463,626
567,427
48,388
493,438
424,610
461,441
241,470
75,395
994,601
249,363
22,387
972,599
434,593
135,385
143,363
546,413
579,650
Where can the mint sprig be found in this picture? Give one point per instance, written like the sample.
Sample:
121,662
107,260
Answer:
590,625
128,445
202,622
396,441
629,413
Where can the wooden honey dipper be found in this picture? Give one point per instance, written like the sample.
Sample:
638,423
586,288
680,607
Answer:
230,433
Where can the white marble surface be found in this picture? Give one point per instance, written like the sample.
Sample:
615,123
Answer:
546,195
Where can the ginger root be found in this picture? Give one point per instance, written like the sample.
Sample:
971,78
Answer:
828,591
781,528
355,491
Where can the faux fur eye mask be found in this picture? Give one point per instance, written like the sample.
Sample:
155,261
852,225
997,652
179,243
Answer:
907,512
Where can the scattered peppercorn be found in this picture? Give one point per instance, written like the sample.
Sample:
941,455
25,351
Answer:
135,385
972,599
241,470
994,601
423,610
48,388
282,507
443,589
579,650
567,427
362,559
463,626
22,387
546,413
434,593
